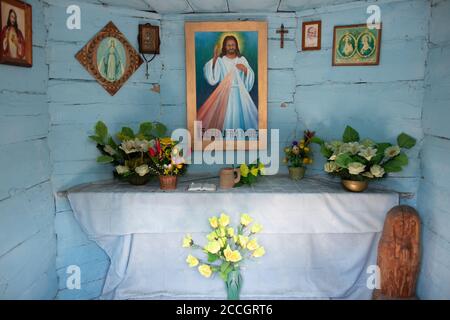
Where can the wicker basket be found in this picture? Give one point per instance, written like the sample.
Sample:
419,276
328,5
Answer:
168,182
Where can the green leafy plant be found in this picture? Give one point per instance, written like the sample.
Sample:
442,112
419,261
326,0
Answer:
354,159
129,154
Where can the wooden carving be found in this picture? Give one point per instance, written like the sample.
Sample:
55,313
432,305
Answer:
399,254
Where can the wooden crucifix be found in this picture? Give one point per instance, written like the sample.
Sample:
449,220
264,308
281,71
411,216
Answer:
282,31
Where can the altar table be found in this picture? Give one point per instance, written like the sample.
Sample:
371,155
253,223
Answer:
319,238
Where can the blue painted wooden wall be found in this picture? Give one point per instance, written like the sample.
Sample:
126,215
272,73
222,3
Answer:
434,194
380,101
27,237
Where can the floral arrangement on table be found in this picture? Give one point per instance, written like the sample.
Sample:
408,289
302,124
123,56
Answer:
298,155
358,161
226,250
250,173
168,162
130,155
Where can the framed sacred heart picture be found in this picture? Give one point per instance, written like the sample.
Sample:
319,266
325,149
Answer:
356,45
226,79
16,35
109,58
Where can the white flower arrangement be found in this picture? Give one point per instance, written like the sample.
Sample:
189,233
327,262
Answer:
359,160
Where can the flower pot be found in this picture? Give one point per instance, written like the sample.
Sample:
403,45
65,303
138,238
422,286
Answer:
233,284
137,180
168,182
355,186
296,173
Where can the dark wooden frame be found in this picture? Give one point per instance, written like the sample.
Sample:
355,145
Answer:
154,30
378,45
87,56
319,40
28,61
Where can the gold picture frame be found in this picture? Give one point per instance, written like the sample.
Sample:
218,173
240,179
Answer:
204,41
110,58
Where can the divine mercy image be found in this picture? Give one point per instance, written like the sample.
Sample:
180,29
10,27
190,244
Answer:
226,73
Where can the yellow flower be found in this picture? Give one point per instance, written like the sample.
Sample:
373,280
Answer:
205,270
212,236
224,220
192,261
262,168
306,149
187,241
223,242
213,247
221,232
213,222
230,232
243,240
256,228
254,171
310,161
232,256
259,252
305,160
252,245
244,170
235,238
166,141
246,219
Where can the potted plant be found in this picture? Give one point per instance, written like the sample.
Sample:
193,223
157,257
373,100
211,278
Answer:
226,249
299,155
168,162
358,161
130,154
250,173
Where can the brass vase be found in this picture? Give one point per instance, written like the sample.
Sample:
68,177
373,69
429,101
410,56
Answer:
168,182
355,186
296,173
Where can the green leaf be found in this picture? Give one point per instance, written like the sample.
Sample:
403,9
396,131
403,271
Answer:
327,153
126,134
396,164
146,128
112,143
105,159
97,139
406,141
224,266
101,130
380,152
343,160
317,140
350,135
212,257
160,129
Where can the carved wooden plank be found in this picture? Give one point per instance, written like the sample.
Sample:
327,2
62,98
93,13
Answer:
399,254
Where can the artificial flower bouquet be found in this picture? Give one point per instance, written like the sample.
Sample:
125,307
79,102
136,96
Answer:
298,155
168,162
226,250
250,173
353,159
129,155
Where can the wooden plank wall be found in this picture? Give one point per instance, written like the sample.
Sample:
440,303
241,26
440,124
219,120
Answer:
27,236
434,193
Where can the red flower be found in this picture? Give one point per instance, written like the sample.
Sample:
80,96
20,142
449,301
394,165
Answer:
152,152
158,146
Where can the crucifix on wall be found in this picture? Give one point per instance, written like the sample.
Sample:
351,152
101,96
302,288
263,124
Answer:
282,31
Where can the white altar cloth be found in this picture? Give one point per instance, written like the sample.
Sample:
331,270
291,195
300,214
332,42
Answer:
319,239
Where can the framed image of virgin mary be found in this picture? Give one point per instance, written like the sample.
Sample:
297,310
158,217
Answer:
226,78
110,58
16,36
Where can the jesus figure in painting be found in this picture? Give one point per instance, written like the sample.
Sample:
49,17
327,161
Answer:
230,106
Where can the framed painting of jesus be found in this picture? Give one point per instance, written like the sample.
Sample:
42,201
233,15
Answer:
226,82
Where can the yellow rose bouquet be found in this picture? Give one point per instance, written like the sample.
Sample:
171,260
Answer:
226,249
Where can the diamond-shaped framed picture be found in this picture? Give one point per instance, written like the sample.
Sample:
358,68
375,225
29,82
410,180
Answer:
110,58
